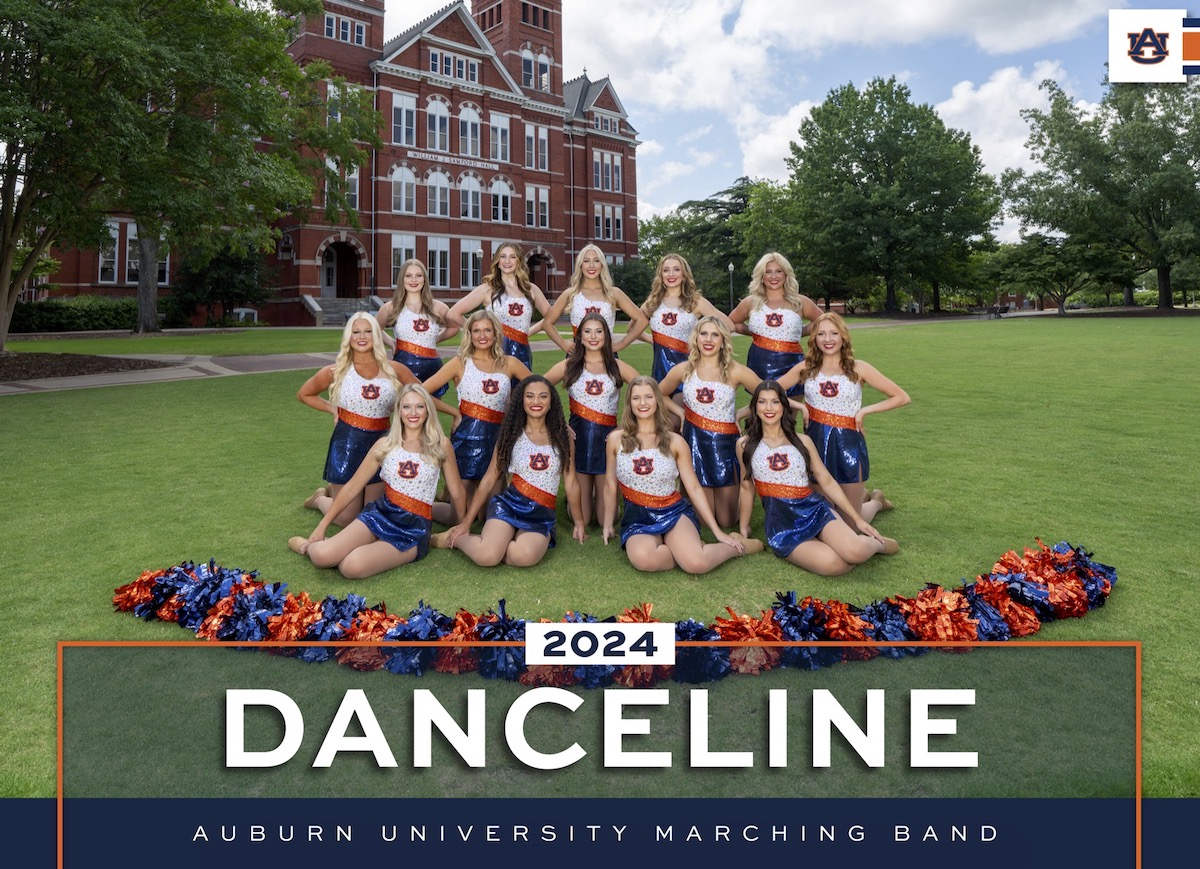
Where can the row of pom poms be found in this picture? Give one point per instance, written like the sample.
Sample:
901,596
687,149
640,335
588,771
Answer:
1013,600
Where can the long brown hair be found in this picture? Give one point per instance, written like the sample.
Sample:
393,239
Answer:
495,278
578,353
662,418
515,419
787,421
399,294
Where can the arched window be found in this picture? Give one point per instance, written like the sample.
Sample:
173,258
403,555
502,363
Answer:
468,132
543,73
439,195
501,202
470,193
404,191
527,65
438,129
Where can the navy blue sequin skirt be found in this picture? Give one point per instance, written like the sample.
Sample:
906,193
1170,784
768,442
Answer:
348,446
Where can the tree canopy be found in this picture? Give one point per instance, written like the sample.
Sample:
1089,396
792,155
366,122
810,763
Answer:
880,185
188,114
1127,174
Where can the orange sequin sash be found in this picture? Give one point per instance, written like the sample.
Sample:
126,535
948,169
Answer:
710,424
366,423
533,493
407,502
584,412
655,502
831,419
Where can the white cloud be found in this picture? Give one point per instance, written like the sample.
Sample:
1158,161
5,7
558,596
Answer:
649,148
695,135
765,140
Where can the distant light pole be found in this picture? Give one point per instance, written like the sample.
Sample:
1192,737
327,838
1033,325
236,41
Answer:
731,288
479,276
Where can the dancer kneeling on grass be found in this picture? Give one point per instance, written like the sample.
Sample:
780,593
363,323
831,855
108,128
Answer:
362,385
593,377
395,529
659,529
833,380
483,376
534,448
800,526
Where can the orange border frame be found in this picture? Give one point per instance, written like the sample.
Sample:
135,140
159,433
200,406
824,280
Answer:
1136,645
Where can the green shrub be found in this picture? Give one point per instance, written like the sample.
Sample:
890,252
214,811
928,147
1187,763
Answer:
77,314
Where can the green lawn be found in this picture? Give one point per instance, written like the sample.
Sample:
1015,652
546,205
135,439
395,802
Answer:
1019,428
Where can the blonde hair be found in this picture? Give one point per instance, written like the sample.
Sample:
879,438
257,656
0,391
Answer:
688,290
432,447
399,293
576,283
791,287
815,358
724,358
345,358
662,418
465,345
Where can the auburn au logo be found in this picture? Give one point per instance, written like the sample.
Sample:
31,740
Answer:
370,391
643,466
670,318
829,388
774,320
778,461
420,325
1149,40
515,309
591,309
705,395
407,470
594,387
539,462
491,387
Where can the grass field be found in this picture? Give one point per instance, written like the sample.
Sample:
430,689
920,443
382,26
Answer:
1075,430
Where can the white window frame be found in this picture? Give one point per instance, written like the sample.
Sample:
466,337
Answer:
404,120
404,191
498,126
470,198
404,247
438,262
468,131
470,263
501,202
108,255
437,126
437,202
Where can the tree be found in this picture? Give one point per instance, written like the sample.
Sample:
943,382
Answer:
1060,267
188,114
881,186
230,279
1128,173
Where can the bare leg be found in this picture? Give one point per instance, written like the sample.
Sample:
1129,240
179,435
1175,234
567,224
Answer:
818,557
648,552
526,549
331,551
725,505
323,502
489,547
691,553
444,512
852,547
374,558
589,497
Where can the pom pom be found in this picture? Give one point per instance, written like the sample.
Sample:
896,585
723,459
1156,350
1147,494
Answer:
336,618
700,663
458,659
743,628
138,592
299,614
501,662
369,625
1021,620
798,622
640,675
252,609
424,624
938,614
844,622
890,626
991,626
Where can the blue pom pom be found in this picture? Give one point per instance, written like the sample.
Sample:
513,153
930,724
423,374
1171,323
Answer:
704,664
798,623
991,625
248,622
501,662
891,627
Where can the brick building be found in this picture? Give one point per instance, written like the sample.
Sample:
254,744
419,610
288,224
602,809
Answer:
484,142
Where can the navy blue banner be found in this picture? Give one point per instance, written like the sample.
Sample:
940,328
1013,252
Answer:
979,833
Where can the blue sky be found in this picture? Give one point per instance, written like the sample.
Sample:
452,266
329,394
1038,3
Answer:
717,88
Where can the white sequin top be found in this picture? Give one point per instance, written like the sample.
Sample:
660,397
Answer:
776,324
515,313
648,471
779,471
833,393
581,306
537,465
486,390
711,400
410,475
597,393
372,399
673,323
417,328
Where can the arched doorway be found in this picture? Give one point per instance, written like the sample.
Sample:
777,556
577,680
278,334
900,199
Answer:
339,271
543,273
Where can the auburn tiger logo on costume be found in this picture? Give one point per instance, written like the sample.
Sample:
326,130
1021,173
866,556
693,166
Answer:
594,387
539,462
591,309
370,391
408,470
774,320
420,325
670,319
778,462
515,309
706,395
829,388
643,466
491,387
